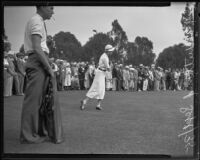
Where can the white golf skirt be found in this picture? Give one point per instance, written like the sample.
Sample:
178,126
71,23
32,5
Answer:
97,89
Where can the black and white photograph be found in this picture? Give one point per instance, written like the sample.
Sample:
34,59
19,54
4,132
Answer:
99,80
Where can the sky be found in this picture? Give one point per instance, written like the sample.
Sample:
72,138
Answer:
161,25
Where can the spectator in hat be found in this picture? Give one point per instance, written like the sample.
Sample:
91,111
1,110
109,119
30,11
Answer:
8,72
150,78
86,78
186,79
63,74
119,77
131,84
81,75
140,77
168,79
114,77
5,75
54,67
13,68
97,90
176,78
68,72
145,78
126,78
72,64
163,79
20,69
75,77
59,76
181,79
135,79
157,78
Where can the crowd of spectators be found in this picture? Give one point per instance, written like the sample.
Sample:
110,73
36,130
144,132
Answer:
14,72
79,76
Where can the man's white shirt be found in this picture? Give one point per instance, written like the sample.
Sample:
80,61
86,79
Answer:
35,26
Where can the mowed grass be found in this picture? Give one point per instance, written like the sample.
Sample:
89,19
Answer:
130,123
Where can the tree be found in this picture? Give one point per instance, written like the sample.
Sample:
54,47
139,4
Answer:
95,46
51,46
173,57
132,57
140,52
67,46
7,44
187,21
120,40
5,38
21,49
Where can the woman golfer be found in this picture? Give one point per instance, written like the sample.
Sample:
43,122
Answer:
97,89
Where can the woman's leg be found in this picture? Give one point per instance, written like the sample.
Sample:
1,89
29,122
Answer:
84,102
99,105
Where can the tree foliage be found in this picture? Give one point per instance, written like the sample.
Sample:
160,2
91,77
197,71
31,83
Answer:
187,21
51,46
6,43
5,38
120,41
173,57
64,45
140,52
21,49
95,46
67,46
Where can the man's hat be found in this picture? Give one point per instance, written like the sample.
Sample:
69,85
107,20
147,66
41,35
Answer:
141,65
57,60
67,64
109,47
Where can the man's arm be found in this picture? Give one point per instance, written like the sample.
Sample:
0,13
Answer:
36,42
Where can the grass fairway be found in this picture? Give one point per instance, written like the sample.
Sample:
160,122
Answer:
130,123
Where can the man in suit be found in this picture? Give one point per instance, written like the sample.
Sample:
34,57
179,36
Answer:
119,77
114,77
81,75
20,69
13,68
140,77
